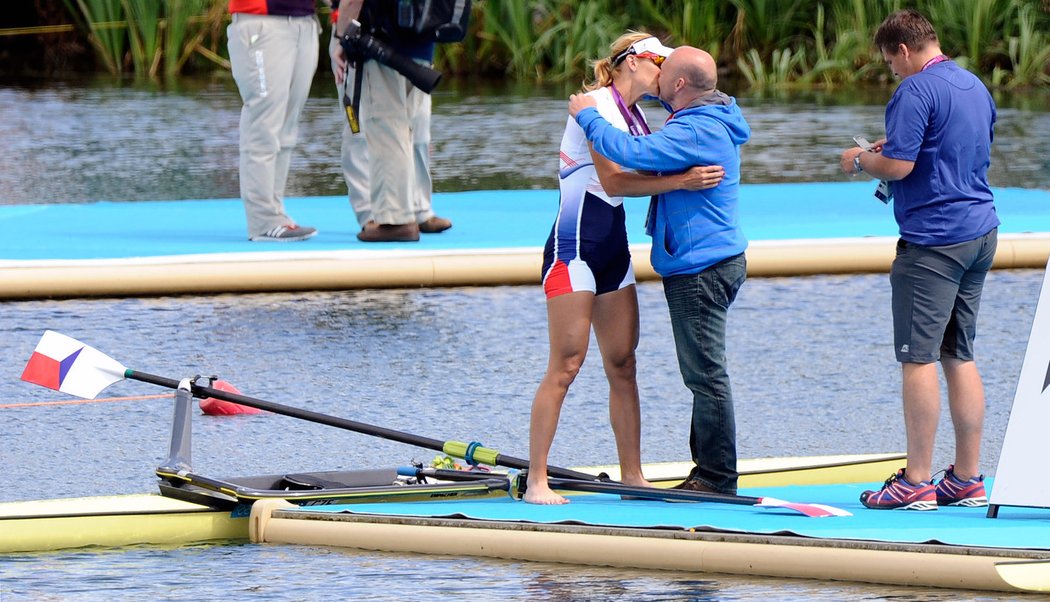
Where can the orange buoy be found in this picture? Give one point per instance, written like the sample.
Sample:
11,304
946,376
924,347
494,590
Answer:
218,407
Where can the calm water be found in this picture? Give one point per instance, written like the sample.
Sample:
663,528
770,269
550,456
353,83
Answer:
810,357
87,140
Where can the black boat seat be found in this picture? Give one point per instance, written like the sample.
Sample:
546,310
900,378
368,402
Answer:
300,482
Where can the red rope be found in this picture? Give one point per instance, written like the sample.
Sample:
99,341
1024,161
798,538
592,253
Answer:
75,401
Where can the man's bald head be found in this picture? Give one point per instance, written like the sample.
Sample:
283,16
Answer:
687,74
695,66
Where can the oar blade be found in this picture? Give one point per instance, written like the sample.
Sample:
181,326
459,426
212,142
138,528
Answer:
65,364
813,510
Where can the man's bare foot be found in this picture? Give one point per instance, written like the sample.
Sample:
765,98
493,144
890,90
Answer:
542,494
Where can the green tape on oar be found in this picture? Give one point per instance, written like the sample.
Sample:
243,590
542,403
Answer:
472,452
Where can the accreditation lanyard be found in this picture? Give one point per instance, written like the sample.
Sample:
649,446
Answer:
636,124
940,58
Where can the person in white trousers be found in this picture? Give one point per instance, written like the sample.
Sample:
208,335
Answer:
273,58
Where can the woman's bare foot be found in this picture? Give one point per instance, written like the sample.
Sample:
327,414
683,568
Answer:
637,482
542,494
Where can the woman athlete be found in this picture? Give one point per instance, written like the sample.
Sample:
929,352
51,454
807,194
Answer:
587,273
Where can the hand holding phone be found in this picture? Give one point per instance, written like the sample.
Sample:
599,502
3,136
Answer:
862,142
882,191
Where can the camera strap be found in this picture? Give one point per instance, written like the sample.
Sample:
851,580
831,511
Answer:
353,105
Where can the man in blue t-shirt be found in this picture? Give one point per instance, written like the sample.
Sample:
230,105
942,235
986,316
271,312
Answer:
935,156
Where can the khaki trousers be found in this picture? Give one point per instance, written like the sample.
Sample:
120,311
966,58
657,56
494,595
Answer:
273,61
387,164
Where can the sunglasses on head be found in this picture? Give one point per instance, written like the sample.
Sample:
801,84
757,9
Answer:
646,49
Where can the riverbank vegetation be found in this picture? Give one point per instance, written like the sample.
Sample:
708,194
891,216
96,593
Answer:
769,44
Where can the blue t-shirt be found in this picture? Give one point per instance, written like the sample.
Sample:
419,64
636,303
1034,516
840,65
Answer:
942,118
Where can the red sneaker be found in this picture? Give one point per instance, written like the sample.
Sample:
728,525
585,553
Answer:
898,494
953,492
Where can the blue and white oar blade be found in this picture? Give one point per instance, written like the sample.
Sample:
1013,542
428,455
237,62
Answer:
65,364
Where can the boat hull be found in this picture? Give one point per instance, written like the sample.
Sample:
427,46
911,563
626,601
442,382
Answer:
44,525
189,514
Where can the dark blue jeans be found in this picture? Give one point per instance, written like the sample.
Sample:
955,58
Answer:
698,304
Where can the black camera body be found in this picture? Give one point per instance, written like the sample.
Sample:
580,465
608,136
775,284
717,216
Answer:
360,45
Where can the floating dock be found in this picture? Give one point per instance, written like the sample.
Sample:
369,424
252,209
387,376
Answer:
121,520
952,547
200,246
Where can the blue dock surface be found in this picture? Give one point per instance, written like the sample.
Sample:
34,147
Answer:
113,248
1016,528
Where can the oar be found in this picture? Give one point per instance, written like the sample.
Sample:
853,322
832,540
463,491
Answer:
651,493
65,364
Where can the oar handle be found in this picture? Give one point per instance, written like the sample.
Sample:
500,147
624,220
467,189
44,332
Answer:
474,453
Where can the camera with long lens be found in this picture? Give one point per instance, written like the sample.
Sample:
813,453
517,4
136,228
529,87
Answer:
357,43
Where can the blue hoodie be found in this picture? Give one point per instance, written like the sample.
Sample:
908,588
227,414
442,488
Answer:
691,230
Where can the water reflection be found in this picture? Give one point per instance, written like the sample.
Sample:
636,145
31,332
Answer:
87,140
265,572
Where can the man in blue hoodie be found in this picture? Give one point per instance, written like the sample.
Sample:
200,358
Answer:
698,246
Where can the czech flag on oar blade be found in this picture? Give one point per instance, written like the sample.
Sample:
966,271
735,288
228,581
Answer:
67,365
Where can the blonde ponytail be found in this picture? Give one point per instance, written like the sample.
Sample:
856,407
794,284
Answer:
603,67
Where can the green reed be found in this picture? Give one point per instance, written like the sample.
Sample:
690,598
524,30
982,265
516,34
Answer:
1029,51
845,55
699,23
766,25
772,44
188,25
144,34
574,45
973,29
99,17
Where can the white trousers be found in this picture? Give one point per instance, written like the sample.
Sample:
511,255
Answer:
273,61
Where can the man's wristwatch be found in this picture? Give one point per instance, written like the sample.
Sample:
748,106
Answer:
856,163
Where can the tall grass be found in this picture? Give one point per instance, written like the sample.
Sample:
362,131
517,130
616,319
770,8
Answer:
693,22
1029,51
771,44
767,25
973,31
144,34
182,38
100,17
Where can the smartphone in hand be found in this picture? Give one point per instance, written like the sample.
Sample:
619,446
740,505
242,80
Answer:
882,191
